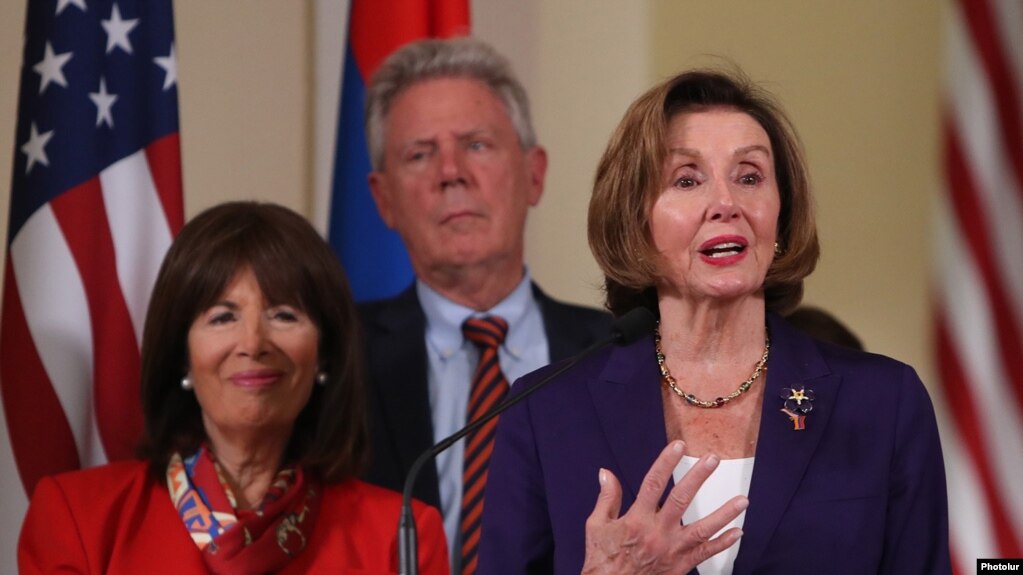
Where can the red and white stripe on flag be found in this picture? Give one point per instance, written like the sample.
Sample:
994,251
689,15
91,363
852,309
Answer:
95,201
979,279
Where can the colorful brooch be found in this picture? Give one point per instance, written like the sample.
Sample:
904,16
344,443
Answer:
798,403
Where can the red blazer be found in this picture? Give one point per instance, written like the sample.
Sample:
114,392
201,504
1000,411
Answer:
117,519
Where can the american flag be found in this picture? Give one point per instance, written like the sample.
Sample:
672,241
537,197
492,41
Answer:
979,279
95,200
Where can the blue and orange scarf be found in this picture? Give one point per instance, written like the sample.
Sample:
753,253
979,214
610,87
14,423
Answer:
242,541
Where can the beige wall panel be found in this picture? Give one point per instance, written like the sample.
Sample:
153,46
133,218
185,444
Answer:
12,34
244,94
582,62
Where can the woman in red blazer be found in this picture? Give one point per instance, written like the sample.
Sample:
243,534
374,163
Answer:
254,432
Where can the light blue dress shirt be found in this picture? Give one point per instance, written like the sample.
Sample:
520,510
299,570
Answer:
452,360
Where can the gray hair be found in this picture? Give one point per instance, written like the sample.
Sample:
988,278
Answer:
452,58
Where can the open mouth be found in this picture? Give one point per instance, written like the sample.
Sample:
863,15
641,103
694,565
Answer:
724,250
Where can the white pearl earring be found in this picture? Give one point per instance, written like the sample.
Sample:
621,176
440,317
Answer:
321,378
186,383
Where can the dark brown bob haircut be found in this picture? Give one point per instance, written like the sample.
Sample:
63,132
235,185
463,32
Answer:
629,180
293,266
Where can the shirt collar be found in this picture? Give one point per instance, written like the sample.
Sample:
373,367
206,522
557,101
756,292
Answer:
444,318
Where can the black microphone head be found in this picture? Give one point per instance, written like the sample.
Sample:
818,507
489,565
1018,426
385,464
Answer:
632,325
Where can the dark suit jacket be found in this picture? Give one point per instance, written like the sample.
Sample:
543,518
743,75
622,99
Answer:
117,519
860,490
401,426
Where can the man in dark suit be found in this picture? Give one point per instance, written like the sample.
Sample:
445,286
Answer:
456,169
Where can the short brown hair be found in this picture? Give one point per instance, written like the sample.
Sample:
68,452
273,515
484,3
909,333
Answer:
293,266
628,181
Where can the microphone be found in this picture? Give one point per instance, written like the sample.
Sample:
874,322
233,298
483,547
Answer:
626,329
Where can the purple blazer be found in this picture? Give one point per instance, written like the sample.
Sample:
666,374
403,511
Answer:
860,490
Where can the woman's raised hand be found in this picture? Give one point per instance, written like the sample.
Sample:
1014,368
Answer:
649,538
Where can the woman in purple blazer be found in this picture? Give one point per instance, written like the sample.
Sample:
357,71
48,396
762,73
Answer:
726,440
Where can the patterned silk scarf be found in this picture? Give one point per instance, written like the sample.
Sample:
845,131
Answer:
246,542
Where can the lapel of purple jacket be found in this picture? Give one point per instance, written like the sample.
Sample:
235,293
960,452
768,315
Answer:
631,417
630,412
784,453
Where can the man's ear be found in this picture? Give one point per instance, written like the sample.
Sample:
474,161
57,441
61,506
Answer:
536,163
381,196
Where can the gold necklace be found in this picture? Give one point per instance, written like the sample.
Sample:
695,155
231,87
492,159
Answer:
692,399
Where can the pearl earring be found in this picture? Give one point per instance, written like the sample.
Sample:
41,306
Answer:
777,249
186,383
321,378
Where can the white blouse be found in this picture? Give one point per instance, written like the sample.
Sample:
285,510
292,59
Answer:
732,477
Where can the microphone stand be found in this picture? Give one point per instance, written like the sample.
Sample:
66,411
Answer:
624,330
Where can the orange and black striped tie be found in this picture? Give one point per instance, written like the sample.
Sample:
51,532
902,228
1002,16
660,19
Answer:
489,387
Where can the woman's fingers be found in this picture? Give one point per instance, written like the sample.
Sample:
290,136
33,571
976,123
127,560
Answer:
609,500
656,479
682,494
649,538
710,548
699,534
